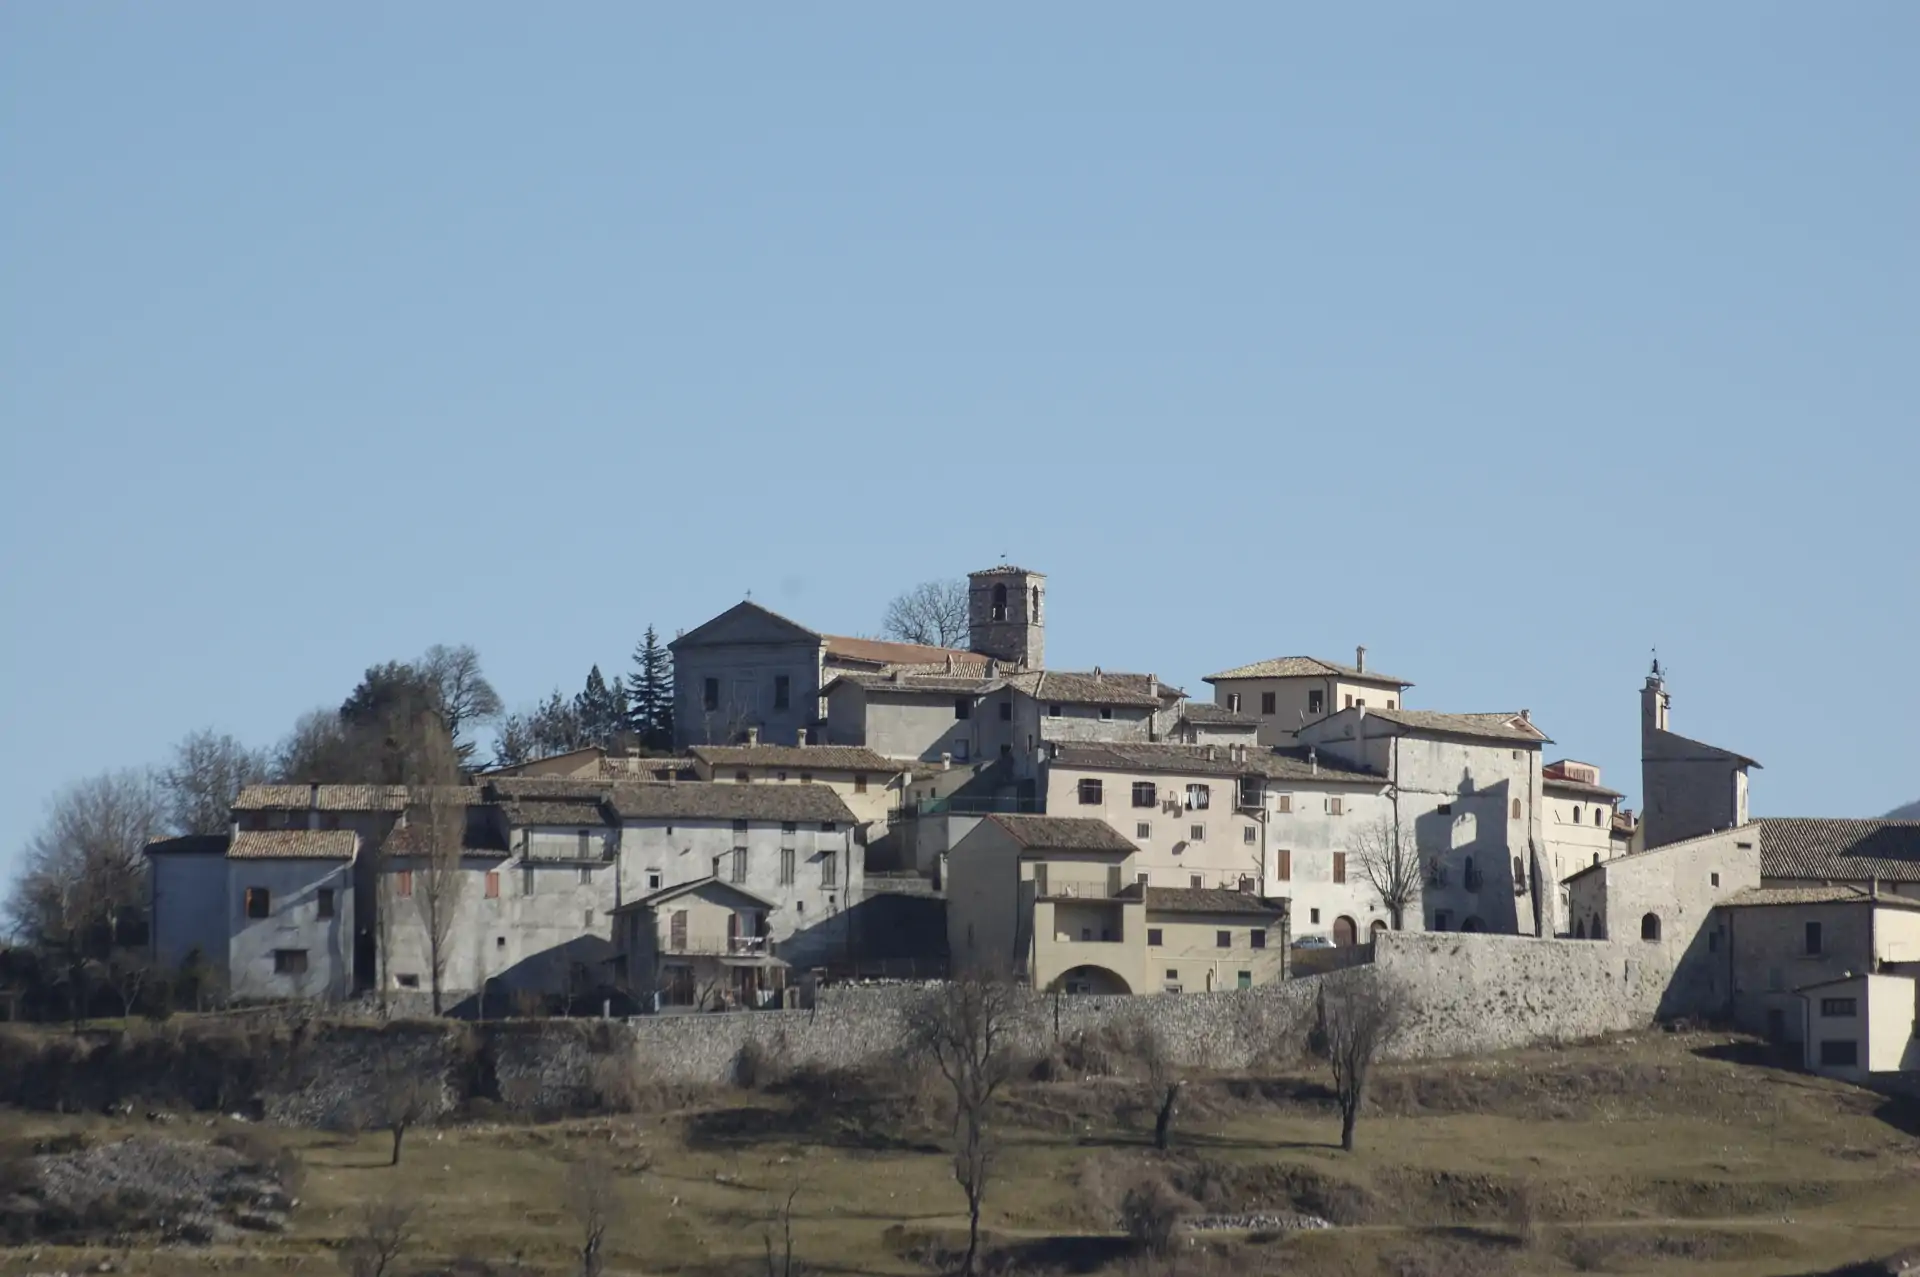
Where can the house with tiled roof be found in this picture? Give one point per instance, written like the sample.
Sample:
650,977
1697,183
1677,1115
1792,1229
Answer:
1285,693
1056,902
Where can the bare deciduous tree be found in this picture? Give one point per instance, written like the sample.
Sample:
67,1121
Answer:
435,837
383,1229
780,1262
401,1096
1358,1016
206,773
85,869
591,1200
467,699
968,1028
932,612
1389,859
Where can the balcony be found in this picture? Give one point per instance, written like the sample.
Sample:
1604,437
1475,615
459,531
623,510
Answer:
731,947
1048,886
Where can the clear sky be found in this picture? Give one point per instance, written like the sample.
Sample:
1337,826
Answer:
1511,341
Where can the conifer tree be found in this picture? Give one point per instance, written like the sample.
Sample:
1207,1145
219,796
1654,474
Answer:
597,710
650,693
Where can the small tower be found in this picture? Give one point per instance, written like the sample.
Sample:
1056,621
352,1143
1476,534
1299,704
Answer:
1006,616
1654,703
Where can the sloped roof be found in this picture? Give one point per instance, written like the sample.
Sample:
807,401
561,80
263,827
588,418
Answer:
1580,787
847,758
1289,764
1703,749
1212,900
189,845
1307,667
746,612
1833,894
1073,687
887,652
662,896
1208,712
1061,833
321,798
294,844
1847,850
917,684
725,800
1495,726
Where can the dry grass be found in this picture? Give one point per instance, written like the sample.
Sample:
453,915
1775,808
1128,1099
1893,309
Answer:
1659,1156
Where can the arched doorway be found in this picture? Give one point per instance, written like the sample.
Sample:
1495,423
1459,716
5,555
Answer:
1374,932
1473,924
1089,979
1344,932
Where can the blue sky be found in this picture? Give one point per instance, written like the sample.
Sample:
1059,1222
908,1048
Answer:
1511,341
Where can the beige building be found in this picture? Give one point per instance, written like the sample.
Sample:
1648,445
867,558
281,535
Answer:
1056,903
871,786
1276,823
1288,692
1859,1025
705,945
1577,817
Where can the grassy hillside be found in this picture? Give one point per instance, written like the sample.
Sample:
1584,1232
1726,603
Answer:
1656,1153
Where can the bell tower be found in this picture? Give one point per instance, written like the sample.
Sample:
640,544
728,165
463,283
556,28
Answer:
1006,615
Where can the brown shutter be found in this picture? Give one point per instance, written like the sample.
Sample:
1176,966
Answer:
1339,866
1283,864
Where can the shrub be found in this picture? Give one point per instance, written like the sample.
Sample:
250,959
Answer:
761,1064
1151,1211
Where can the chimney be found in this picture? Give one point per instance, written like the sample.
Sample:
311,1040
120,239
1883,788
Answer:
1360,659
801,738
1209,753
993,667
1313,760
949,662
1526,716
753,737
1153,686
898,675
1097,675
946,762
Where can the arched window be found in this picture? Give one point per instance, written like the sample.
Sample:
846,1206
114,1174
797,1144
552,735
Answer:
1033,616
1000,601
1597,814
1580,929
1516,809
1599,928
1576,813
1650,927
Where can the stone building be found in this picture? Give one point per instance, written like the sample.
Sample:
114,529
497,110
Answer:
1687,788
704,944
1577,815
1858,1024
1288,692
872,786
1056,903
289,895
1274,822
1469,789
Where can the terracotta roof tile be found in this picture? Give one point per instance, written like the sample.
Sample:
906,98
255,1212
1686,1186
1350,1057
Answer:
1848,850
847,758
294,844
1306,667
1061,833
1212,900
321,798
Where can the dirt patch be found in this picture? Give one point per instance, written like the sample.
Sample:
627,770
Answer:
181,1190
1621,1250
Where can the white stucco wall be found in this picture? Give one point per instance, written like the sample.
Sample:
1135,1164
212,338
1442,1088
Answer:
293,923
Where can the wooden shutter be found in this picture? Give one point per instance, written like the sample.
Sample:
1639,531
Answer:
1283,864
1339,866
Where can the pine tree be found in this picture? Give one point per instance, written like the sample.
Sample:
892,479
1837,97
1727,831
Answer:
597,710
650,693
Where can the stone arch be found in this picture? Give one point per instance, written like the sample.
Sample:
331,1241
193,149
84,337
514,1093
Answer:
1650,926
1345,932
1376,930
1089,978
1000,601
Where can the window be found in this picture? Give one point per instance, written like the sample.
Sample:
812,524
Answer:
1813,940
1034,615
259,904
1257,937
323,902
1144,794
586,875
1106,713
1244,980
1140,878
493,884
742,777
859,782
585,841
1316,702
1650,926
1349,700
1248,835
1390,704
653,880
1597,814
1714,879
782,691
960,751
1283,864
1339,866
710,694
828,827
586,917
289,961
1839,1008
1519,876
1193,880
1223,939
1153,937
739,873
1006,711
739,833
526,878
1442,919
1283,803
787,829
1199,797
1840,1055
1445,809
1313,916
499,942
1089,791
1143,831
781,777
829,870
1576,813
1196,833
963,707
403,884
1233,701
1000,602
1516,809
786,866
407,981
1335,806
1267,703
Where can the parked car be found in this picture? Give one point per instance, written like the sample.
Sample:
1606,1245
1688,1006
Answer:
1313,942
